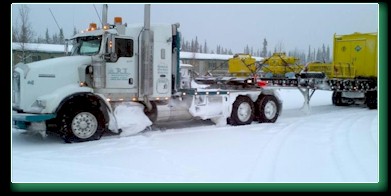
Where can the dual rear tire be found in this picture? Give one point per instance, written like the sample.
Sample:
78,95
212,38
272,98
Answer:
244,110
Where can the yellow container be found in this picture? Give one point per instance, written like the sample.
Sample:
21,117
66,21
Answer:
280,64
326,68
241,65
355,55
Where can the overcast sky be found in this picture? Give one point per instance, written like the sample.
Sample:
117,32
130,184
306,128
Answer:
230,25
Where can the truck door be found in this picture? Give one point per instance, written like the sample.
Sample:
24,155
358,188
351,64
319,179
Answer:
121,72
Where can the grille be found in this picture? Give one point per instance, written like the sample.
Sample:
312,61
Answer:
16,89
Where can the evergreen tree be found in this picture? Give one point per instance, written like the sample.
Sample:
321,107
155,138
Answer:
247,50
264,48
188,46
47,37
55,39
205,47
196,45
183,47
61,38
319,55
192,46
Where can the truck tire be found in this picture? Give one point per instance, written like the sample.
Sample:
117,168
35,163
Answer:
242,111
371,99
256,108
268,109
337,99
79,124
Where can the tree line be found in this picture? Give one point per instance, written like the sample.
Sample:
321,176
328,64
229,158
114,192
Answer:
321,54
23,33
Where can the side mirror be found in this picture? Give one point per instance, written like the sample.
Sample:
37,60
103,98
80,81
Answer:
113,57
110,52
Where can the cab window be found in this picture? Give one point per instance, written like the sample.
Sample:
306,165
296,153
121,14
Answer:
124,47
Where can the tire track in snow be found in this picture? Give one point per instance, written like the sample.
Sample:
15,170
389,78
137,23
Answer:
268,156
347,160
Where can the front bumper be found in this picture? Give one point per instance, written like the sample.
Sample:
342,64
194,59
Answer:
22,120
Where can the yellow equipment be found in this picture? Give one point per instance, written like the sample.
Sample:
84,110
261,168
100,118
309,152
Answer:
355,56
280,64
242,65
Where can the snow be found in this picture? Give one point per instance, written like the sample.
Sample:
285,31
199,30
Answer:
330,144
58,48
131,118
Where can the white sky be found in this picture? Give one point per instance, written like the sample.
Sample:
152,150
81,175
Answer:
298,147
230,25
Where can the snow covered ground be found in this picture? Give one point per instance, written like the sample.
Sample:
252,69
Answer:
331,144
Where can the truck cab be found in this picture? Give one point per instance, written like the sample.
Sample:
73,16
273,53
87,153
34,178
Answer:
74,95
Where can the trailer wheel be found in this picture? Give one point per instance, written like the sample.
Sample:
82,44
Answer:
337,99
242,111
268,109
371,99
82,124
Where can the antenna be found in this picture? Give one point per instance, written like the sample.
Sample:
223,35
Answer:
98,15
55,19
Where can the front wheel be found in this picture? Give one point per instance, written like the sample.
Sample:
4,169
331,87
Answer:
82,124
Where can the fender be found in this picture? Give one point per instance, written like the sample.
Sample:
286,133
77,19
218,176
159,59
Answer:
82,97
51,102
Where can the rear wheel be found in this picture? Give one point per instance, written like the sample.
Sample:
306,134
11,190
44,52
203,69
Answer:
337,99
268,109
242,111
371,99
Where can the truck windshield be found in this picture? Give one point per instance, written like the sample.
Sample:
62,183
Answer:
89,45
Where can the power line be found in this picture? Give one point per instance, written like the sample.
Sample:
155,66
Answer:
98,15
55,19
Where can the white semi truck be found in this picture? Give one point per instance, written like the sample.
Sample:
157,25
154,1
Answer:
75,96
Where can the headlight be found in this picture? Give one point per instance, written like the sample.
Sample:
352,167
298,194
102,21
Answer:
41,103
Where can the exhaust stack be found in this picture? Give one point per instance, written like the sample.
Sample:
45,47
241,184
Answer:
146,74
104,15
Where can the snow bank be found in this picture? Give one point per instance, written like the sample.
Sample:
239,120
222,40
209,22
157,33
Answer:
131,118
